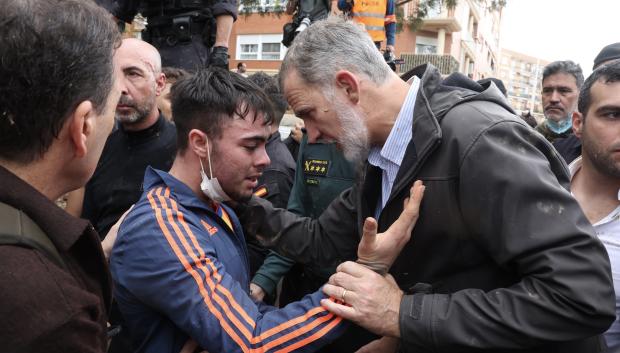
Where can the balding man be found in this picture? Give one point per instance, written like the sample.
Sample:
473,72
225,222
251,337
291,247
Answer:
143,137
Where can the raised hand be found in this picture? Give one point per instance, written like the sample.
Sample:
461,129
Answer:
379,251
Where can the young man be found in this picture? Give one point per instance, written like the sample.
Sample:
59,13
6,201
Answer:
596,174
58,90
492,261
570,147
180,263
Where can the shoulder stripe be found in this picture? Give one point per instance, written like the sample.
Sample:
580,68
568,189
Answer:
158,214
208,261
200,263
273,331
209,269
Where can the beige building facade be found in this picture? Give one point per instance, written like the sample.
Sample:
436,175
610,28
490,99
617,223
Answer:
467,36
464,38
522,76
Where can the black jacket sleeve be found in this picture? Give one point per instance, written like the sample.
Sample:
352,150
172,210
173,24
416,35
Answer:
514,199
328,240
225,7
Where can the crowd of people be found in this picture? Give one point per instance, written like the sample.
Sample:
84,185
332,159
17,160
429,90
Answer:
411,213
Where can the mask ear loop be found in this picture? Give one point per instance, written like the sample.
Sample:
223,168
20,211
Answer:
209,157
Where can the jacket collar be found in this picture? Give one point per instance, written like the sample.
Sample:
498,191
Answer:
274,137
183,194
436,97
62,228
137,137
426,133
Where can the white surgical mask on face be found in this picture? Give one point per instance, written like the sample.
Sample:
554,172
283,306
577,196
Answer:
210,186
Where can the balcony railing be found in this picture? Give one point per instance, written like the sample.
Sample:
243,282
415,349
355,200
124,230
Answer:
446,64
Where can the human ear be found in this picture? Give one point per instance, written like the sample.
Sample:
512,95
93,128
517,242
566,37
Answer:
81,127
349,84
197,142
578,123
160,83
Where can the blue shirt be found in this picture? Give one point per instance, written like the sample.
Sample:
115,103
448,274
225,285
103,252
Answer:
180,269
390,156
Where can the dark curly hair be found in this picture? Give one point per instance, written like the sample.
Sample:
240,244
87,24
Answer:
209,97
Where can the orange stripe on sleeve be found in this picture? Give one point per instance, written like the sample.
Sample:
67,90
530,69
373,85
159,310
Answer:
201,265
291,323
205,261
222,289
275,330
322,332
299,332
193,273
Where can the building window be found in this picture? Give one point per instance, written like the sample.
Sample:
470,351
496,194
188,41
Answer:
260,47
425,49
271,51
248,52
425,45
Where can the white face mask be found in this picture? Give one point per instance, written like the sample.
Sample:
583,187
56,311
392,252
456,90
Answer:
210,186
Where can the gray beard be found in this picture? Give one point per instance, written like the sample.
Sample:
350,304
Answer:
354,138
131,119
141,111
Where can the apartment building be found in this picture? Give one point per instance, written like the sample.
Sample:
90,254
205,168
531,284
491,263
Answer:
464,38
522,76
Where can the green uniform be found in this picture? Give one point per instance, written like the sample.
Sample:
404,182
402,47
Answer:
322,173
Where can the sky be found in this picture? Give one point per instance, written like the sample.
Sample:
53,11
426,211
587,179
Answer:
561,29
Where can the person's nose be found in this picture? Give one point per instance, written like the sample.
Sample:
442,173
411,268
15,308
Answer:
262,160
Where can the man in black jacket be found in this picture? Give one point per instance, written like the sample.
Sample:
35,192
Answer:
502,257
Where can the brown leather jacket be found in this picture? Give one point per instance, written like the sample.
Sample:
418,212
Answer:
44,308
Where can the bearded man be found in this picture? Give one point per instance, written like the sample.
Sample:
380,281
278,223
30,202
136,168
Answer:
143,137
595,175
502,258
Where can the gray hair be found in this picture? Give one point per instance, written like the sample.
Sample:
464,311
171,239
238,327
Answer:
331,45
566,67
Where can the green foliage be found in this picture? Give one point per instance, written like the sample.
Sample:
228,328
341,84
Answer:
425,6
